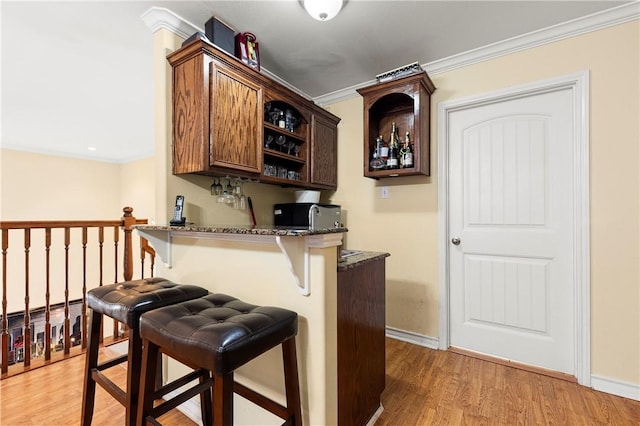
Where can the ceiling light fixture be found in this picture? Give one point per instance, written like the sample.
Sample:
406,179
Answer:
322,10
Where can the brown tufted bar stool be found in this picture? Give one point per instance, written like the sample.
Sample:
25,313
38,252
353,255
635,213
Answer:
125,302
215,335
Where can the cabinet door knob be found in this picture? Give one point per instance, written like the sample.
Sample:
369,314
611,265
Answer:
455,241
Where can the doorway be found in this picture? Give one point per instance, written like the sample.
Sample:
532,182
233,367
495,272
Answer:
513,211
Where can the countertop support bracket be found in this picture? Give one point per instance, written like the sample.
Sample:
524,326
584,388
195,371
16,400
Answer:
296,249
160,240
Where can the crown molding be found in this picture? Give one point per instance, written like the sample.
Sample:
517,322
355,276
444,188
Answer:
594,22
284,83
157,18
77,155
342,94
586,24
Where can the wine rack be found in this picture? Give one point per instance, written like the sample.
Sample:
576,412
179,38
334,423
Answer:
285,150
405,101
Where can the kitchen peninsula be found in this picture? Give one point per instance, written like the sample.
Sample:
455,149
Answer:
340,303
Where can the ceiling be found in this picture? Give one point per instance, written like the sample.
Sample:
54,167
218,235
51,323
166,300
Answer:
77,77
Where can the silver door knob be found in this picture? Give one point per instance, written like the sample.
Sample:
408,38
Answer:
455,241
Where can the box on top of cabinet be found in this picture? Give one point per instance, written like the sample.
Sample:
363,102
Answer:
220,34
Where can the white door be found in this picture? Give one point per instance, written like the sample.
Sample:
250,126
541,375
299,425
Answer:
511,230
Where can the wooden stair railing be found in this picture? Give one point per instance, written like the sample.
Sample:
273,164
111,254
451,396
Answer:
75,264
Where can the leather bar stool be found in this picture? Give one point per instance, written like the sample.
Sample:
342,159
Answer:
125,302
215,335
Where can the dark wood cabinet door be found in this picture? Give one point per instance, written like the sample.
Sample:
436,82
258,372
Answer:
236,120
324,152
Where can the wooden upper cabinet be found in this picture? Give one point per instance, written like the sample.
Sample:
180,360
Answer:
405,101
217,116
221,124
324,151
190,115
236,121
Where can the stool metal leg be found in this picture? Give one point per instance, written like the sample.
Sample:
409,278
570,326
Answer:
292,386
93,344
223,400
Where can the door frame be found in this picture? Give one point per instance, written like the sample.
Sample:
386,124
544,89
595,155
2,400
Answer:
578,83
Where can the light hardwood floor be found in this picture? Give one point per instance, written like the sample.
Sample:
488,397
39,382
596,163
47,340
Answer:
424,387
428,387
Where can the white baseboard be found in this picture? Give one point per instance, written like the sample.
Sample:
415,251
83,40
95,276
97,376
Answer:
120,348
245,412
616,387
411,337
372,421
190,408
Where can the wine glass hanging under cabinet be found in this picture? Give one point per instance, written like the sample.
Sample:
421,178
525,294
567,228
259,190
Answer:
397,112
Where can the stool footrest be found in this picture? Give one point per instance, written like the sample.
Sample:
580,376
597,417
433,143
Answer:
166,406
114,390
112,362
178,383
261,400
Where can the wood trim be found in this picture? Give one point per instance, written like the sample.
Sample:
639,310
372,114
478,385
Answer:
44,224
21,224
514,364
28,228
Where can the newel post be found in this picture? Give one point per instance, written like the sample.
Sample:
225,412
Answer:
127,222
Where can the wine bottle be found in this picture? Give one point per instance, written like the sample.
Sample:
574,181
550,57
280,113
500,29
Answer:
406,154
384,151
376,163
392,161
281,120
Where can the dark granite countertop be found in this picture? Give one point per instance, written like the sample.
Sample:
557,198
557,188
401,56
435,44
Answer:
358,257
242,229
353,258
